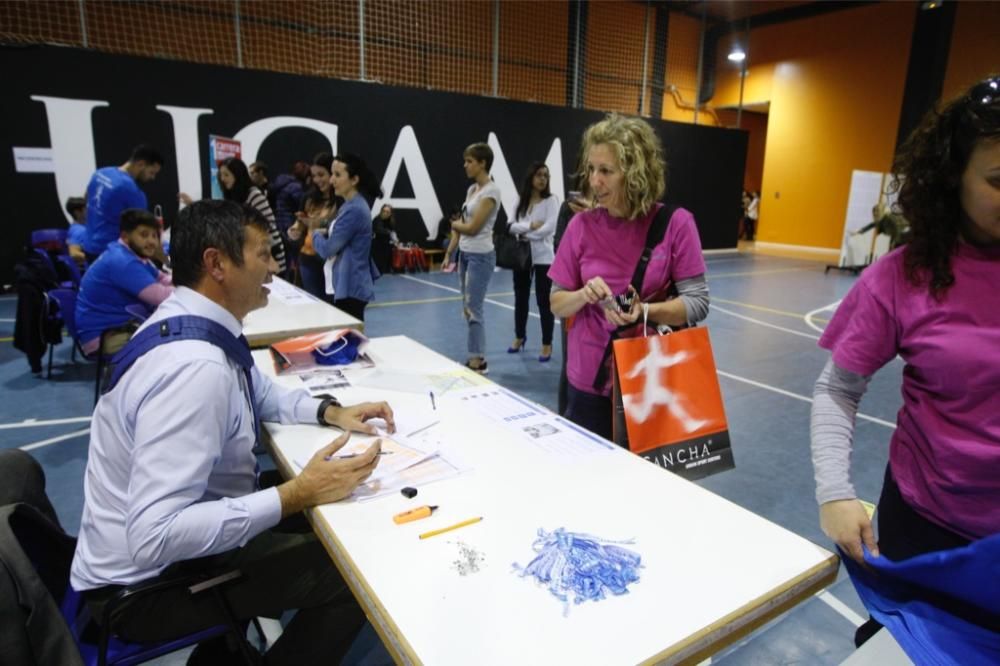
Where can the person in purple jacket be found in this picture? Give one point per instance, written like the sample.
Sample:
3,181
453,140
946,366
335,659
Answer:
598,253
933,302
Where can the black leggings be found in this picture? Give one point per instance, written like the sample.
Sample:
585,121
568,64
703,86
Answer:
522,290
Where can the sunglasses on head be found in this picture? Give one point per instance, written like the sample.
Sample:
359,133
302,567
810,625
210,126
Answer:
986,92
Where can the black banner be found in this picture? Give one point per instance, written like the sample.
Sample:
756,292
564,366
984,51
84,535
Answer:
68,111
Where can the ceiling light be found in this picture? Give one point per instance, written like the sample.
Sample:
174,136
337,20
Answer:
737,55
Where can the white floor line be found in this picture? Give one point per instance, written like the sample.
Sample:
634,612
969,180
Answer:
54,440
808,318
34,423
459,291
796,396
8,321
716,308
839,606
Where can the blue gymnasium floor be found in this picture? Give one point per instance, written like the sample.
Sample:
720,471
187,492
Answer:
767,358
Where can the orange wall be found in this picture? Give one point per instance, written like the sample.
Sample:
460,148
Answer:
835,85
975,46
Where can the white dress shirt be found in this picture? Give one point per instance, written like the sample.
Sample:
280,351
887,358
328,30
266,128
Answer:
171,471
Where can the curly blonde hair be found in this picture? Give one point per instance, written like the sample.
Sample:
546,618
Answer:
640,156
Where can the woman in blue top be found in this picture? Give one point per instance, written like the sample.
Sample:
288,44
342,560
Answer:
346,245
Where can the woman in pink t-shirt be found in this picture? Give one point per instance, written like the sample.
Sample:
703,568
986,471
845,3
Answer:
598,254
934,303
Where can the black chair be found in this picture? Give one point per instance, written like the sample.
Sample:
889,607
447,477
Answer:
37,553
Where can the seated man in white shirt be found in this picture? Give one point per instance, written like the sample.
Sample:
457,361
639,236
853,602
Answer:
171,482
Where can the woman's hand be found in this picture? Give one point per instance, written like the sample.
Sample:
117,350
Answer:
596,290
185,198
536,225
847,523
614,316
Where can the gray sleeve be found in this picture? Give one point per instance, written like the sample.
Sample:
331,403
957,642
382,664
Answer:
831,430
693,292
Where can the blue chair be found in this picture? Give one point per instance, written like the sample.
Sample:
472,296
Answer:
34,537
51,263
50,240
66,311
72,269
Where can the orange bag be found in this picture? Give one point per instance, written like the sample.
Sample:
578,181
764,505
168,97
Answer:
668,404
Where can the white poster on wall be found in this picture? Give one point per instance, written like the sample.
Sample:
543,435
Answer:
868,189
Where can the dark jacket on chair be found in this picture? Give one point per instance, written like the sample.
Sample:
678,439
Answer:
34,330
32,630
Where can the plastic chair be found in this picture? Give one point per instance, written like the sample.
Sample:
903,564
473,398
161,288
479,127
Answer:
72,269
50,551
66,311
51,263
50,240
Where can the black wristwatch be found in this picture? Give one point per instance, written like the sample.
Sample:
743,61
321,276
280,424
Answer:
328,400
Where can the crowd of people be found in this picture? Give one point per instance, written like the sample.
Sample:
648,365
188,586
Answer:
171,485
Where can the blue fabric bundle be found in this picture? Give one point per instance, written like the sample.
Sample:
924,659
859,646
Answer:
338,352
907,597
580,566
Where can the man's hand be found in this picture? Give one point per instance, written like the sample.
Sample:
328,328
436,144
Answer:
327,478
355,417
847,523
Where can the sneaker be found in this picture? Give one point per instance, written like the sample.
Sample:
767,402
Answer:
481,368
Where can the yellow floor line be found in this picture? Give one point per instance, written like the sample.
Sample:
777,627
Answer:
761,308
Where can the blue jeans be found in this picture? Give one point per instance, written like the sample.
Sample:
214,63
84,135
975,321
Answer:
474,272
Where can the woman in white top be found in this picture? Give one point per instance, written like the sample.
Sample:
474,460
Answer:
473,234
535,220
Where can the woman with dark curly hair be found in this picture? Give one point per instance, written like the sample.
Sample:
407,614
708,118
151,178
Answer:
934,303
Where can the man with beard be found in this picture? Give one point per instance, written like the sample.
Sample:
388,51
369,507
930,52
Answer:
122,282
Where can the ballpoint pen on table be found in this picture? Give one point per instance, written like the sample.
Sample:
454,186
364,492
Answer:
433,404
355,455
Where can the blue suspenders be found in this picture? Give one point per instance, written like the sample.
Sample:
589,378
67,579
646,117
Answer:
187,327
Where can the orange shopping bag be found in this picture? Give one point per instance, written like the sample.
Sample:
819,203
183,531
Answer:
668,405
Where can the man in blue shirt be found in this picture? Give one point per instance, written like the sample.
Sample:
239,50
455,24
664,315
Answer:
123,284
76,236
171,485
113,189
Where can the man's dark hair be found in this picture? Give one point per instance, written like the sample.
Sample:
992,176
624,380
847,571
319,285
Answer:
74,204
133,218
147,154
209,223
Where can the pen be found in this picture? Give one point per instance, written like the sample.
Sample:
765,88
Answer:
470,521
355,455
419,430
433,404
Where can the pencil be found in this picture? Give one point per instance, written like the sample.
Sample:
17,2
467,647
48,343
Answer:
470,521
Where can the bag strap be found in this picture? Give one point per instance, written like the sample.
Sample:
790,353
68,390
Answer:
654,236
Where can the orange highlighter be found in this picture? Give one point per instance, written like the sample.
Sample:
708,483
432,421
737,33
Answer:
413,514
